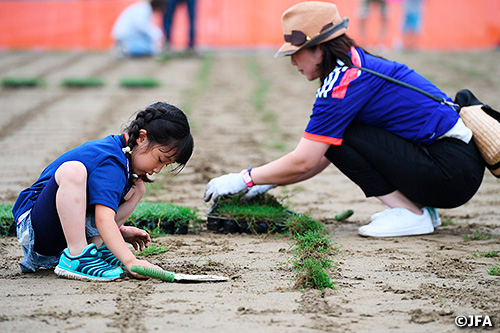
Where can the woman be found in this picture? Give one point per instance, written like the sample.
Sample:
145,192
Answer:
410,152
134,32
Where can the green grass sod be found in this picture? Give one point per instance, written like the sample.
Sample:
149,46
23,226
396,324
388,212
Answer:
163,217
22,82
82,82
139,82
7,223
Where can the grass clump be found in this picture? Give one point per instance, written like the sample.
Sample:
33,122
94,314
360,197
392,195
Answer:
82,82
477,235
300,224
7,223
152,250
495,270
139,82
487,254
313,251
447,222
22,82
163,217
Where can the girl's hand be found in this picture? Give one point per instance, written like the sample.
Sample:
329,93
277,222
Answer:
141,263
137,237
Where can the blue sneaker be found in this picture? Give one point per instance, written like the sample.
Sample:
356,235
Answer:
436,220
86,266
107,256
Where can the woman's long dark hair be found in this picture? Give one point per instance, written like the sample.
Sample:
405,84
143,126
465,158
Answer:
166,125
336,49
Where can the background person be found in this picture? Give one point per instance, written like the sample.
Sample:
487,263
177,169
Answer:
405,149
169,18
412,23
134,32
73,215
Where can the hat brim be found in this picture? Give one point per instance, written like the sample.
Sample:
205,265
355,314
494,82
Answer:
334,32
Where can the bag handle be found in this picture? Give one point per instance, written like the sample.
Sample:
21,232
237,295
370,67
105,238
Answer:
443,101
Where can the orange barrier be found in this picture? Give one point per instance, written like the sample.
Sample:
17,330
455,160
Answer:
86,24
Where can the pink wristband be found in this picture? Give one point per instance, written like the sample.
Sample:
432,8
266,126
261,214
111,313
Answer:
247,178
120,227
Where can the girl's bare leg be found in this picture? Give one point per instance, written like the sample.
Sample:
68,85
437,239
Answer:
71,203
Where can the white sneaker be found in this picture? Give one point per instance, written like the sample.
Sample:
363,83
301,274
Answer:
436,220
398,222
380,214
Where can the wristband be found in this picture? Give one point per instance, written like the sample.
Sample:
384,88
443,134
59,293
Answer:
247,178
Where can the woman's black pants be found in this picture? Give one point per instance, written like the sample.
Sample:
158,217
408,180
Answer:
444,174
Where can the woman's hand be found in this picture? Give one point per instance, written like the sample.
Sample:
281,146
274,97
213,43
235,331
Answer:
256,190
137,237
229,184
140,263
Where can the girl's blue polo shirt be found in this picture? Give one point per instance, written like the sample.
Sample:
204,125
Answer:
107,174
349,94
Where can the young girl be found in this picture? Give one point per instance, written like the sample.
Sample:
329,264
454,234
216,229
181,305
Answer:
73,215
397,145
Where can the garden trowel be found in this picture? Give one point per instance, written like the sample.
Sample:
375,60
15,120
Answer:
175,277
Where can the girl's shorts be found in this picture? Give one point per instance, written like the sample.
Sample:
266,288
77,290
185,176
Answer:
32,260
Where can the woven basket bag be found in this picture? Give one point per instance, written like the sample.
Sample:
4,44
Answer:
486,135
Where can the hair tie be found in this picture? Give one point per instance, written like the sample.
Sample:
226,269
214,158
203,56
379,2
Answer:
126,150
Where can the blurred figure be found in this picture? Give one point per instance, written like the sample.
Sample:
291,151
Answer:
134,31
169,17
364,14
412,25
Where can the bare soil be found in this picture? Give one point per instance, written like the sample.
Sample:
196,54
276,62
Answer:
245,108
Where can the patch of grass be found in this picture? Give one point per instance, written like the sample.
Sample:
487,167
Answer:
447,222
495,270
152,250
259,94
82,82
139,82
262,208
157,217
477,235
204,73
191,95
300,224
258,99
487,254
312,261
22,82
7,223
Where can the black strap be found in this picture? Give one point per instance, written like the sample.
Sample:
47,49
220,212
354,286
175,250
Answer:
407,85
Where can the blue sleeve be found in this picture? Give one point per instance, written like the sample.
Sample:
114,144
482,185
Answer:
106,184
338,102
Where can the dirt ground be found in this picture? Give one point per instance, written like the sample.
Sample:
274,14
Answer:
245,108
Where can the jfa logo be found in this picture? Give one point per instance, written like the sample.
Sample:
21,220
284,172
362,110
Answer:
473,321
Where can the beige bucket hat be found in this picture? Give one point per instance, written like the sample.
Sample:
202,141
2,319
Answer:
309,23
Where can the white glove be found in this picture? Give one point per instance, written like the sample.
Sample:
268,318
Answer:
256,190
229,184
